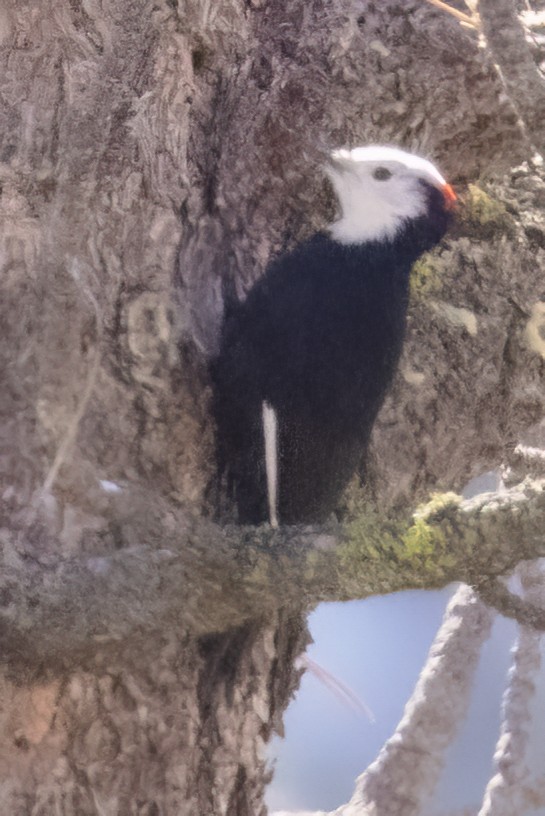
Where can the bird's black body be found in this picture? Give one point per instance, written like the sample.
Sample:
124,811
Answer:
318,338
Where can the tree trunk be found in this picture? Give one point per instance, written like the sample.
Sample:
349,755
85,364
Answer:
152,158
173,726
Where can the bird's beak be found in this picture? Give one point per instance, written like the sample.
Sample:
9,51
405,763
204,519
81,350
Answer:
449,195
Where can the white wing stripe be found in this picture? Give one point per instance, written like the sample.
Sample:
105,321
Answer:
270,436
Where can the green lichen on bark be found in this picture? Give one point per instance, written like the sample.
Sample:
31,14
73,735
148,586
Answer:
484,215
413,550
484,208
425,542
425,277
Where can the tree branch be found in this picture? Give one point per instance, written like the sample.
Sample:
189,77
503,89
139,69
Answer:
201,578
523,81
512,758
409,765
495,593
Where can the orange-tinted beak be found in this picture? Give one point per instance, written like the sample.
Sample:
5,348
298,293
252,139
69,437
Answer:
449,196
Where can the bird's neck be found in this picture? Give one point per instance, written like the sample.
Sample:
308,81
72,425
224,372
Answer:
410,241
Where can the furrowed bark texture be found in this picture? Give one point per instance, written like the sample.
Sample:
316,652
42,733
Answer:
174,726
507,41
152,157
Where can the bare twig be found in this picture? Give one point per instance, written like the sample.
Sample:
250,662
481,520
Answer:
343,692
469,20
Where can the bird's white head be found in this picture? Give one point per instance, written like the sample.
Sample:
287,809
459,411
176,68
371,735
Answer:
379,189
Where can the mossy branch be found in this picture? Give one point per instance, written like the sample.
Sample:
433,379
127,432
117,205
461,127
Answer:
201,578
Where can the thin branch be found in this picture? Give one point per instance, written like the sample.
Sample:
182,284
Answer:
341,691
495,593
503,792
470,20
405,773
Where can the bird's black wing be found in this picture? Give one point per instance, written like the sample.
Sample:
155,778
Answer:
316,340
237,409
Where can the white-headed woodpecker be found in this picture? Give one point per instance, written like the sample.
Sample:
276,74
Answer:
306,360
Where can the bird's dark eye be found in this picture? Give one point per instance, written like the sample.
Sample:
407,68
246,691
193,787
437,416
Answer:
381,173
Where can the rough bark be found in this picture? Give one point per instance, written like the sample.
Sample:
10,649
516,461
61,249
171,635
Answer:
205,580
508,44
152,157
172,725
